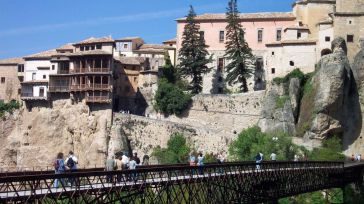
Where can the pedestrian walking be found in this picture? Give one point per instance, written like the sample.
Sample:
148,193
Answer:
296,158
137,160
132,166
273,157
110,166
200,163
258,160
220,160
352,158
71,163
145,160
358,157
125,161
59,168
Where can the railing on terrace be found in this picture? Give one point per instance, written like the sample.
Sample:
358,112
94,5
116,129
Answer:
213,183
83,87
90,70
26,94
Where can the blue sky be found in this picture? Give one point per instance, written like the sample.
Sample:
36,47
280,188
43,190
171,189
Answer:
30,26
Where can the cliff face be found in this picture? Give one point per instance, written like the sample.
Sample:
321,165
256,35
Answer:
32,139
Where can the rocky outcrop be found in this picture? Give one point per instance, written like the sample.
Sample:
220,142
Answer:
331,85
280,108
33,138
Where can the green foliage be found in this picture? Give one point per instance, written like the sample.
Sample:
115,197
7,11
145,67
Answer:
330,151
169,72
296,73
281,100
8,107
238,53
170,99
193,54
176,152
251,141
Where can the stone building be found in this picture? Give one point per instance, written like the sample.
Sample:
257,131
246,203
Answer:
282,42
11,74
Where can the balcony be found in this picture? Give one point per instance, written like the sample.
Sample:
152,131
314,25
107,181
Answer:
87,87
91,70
30,96
59,89
98,99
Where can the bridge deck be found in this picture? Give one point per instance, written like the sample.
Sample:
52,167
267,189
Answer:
37,186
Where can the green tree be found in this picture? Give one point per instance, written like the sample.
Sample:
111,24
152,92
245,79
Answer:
170,99
238,53
331,150
252,140
176,152
169,72
193,54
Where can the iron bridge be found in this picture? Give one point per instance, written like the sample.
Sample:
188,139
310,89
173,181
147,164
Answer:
242,182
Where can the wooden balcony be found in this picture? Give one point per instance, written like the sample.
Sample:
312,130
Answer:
90,87
61,89
98,99
90,70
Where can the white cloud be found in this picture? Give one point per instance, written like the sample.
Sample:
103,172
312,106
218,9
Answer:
104,20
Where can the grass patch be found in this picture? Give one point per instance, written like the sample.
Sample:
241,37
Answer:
281,100
8,107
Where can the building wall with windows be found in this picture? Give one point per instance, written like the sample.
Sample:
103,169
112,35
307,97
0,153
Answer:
9,82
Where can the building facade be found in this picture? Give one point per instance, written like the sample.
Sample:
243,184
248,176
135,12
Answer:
282,42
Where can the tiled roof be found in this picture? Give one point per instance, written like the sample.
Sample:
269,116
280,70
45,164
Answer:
68,46
130,60
95,40
291,42
296,27
89,52
245,16
171,40
12,61
129,39
42,55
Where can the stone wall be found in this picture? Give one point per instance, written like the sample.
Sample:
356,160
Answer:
9,89
212,122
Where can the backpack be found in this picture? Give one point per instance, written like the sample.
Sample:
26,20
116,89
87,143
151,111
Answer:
70,163
56,165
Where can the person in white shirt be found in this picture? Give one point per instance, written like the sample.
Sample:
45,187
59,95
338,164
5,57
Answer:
132,166
125,161
273,157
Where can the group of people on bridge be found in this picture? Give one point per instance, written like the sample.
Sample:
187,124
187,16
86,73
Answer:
62,165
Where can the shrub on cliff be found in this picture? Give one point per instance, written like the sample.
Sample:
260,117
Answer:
176,152
252,140
8,107
170,99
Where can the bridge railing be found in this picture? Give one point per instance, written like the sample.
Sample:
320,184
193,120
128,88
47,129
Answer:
135,182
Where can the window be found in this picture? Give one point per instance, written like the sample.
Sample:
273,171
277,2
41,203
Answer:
41,92
21,78
82,48
125,46
260,35
44,76
19,91
279,35
87,48
220,65
299,35
53,67
272,53
135,79
3,80
98,46
291,63
327,39
92,47
273,70
21,68
33,76
202,34
221,36
350,38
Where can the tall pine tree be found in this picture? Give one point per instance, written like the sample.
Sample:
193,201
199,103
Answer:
238,53
193,54
169,72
